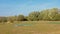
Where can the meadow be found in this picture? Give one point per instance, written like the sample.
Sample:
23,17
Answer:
31,27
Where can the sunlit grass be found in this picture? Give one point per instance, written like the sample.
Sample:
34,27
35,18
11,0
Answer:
35,27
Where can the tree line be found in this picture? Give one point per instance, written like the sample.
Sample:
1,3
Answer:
46,15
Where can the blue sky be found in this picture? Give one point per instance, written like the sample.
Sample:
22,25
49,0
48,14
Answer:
15,7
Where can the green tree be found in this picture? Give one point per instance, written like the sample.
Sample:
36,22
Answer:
20,18
33,16
3,19
48,14
10,19
57,17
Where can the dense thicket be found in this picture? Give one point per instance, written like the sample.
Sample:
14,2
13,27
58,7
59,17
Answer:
48,14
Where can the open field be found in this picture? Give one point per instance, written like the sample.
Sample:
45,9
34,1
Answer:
31,27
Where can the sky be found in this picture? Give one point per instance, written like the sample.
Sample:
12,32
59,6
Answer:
16,7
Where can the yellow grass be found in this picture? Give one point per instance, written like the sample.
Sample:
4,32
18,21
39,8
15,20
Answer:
36,27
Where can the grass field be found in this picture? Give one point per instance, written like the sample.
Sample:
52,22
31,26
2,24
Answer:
31,27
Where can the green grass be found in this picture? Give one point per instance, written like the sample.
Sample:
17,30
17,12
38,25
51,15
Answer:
54,22
36,27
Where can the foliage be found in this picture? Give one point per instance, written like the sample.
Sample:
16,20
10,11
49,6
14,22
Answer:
3,19
33,16
20,18
48,14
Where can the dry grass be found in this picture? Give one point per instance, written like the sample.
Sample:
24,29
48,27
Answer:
37,27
